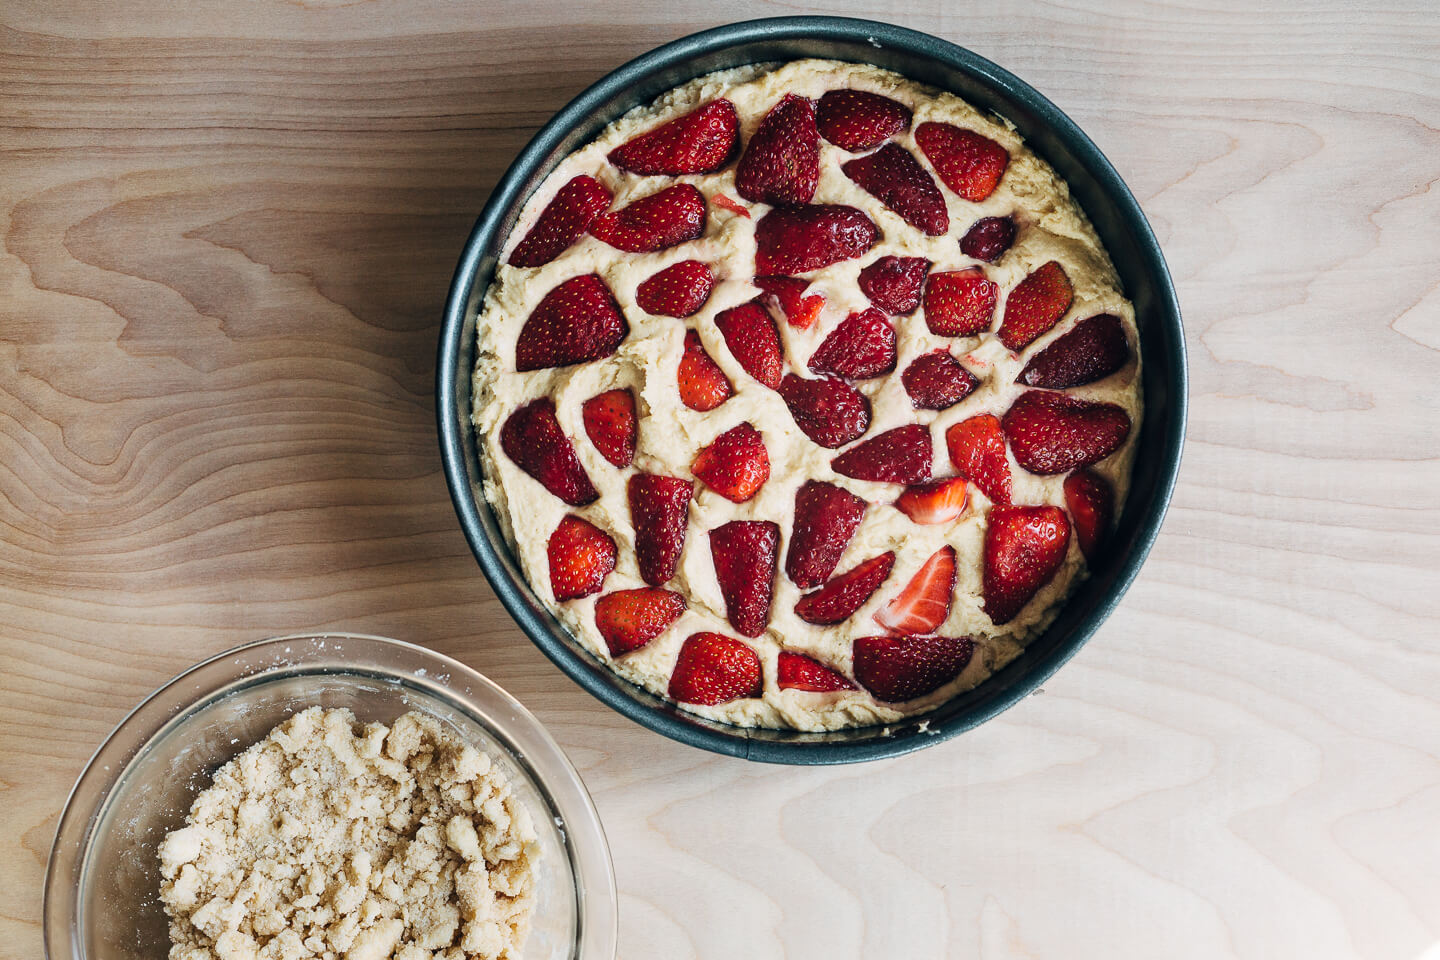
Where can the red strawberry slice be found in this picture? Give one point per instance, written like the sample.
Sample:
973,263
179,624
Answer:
960,303
1055,433
988,238
826,517
895,178
753,340
925,602
969,164
731,204
629,619
698,142
788,294
610,424
713,668
857,120
938,501
801,239
677,291
657,222
795,671
1091,500
735,465
533,439
902,455
893,283
576,322
827,410
862,346
581,557
935,381
1035,305
702,383
660,514
744,552
838,600
1093,350
896,669
1024,546
562,222
977,449
781,164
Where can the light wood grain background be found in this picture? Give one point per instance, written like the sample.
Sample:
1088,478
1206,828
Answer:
228,230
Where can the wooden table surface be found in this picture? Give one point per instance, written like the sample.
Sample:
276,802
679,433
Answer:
228,230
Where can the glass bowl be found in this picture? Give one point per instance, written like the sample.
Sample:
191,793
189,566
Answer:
103,879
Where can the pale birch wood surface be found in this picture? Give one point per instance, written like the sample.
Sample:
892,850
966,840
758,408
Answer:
228,231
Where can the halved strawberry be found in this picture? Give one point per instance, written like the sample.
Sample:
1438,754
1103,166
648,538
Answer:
1035,305
745,553
703,385
827,410
677,291
788,293
713,668
610,423
581,557
629,619
895,178
977,449
893,283
1092,350
935,381
838,600
753,340
562,222
857,120
660,514
960,303
698,142
533,439
896,669
902,455
795,671
1091,500
968,163
988,238
826,517
656,222
576,322
925,602
935,501
862,346
735,465
1055,433
1024,546
801,239
781,163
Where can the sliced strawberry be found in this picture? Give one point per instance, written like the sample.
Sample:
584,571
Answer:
936,501
862,346
731,204
960,303
1091,500
896,669
657,222
581,557
744,552
1093,350
1055,433
576,322
826,517
795,671
629,619
713,668
702,383
925,602
562,222
533,439
988,238
610,424
660,514
735,465
935,381
1035,305
902,455
893,283
788,293
969,164
781,164
857,120
895,178
753,340
801,239
677,291
977,449
838,600
827,410
1024,546
698,142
